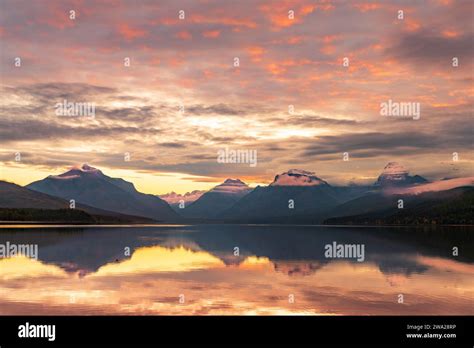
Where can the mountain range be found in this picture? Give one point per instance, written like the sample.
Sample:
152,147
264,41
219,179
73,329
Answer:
294,196
180,201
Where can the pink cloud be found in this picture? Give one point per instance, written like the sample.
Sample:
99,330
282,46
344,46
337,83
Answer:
130,33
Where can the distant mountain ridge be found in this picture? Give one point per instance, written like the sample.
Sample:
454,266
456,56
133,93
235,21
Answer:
454,206
175,200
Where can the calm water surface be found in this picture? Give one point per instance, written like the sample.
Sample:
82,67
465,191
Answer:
280,270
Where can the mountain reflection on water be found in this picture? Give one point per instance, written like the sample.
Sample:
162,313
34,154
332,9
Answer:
184,270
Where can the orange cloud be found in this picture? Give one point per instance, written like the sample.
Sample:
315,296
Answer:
166,21
365,7
412,25
281,67
307,9
445,2
328,49
184,35
290,40
208,74
282,20
187,83
295,40
255,53
223,20
279,15
450,33
176,61
155,61
376,47
275,69
211,34
216,17
330,38
130,33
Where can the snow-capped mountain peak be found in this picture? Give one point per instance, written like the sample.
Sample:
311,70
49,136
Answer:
394,168
297,177
231,186
395,174
234,182
77,172
87,168
188,197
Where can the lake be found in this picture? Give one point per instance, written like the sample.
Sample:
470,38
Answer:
237,269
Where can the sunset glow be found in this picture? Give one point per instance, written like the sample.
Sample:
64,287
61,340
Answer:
181,98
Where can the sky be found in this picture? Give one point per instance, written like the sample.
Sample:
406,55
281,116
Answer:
309,84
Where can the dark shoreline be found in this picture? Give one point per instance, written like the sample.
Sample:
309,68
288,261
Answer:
81,223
